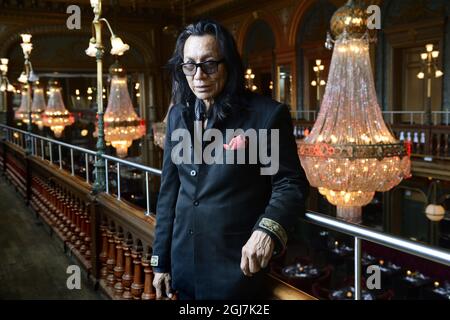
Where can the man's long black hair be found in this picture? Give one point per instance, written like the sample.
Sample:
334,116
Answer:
234,85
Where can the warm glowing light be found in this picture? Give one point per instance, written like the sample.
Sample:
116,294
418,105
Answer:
56,115
26,38
117,46
122,124
343,139
91,50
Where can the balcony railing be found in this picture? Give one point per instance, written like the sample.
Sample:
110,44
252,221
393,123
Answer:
359,232
44,148
68,213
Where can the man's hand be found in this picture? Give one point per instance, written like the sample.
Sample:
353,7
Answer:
162,280
256,253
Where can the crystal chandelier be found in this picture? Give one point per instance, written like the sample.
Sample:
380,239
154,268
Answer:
21,113
350,153
56,115
122,124
38,106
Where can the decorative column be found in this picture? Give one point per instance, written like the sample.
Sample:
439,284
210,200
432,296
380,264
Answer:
127,277
137,286
148,293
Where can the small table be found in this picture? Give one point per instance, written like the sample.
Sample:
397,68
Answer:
301,275
439,292
412,284
348,293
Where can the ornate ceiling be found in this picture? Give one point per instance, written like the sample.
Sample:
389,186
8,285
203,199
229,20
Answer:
191,8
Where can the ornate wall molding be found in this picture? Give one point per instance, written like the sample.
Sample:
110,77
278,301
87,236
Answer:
271,20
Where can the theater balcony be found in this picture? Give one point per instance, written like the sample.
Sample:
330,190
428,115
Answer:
84,99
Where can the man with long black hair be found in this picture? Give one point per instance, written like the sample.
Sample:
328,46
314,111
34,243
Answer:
218,225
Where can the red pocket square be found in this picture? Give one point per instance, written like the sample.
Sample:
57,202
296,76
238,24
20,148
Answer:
238,142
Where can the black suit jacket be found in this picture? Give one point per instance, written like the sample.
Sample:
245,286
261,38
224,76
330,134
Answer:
206,213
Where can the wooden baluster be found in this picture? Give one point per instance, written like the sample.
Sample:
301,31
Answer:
104,253
137,286
429,144
111,261
438,144
148,293
60,206
67,217
48,204
73,221
433,144
118,269
81,235
127,277
78,225
446,140
87,239
53,205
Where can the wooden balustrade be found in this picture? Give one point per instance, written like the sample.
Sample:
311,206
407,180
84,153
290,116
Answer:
127,277
111,239
118,268
137,285
111,261
148,293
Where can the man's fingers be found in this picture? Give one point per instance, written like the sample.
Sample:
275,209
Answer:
244,264
265,260
254,264
168,288
157,285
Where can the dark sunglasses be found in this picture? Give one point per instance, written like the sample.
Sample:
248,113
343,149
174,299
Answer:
208,67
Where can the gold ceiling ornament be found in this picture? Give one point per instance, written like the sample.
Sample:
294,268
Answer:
350,153
352,17
56,116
